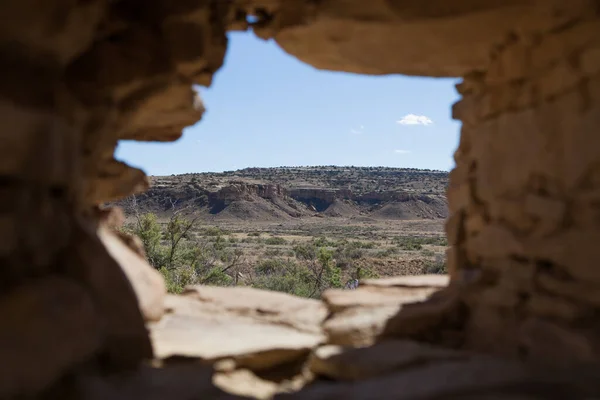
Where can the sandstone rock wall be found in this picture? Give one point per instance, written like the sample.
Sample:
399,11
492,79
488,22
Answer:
524,195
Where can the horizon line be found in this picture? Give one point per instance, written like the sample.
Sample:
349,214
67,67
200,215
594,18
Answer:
308,166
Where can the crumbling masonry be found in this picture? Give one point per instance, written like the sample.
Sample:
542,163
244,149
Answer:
83,316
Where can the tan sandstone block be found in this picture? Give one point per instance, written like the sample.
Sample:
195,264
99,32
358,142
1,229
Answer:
581,291
494,241
548,212
87,260
431,281
576,250
551,342
269,306
590,61
513,62
353,364
417,318
210,332
558,79
147,282
562,44
339,300
467,110
60,28
545,306
475,376
359,326
243,382
48,327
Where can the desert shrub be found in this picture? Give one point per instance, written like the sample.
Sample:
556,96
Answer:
273,253
388,252
214,231
330,275
305,251
414,243
267,267
216,276
409,243
318,261
181,258
147,228
322,241
436,266
275,241
177,279
364,245
366,273
255,234
285,276
219,242
348,253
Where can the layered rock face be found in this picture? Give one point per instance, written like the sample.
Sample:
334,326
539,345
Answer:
287,200
78,302
524,195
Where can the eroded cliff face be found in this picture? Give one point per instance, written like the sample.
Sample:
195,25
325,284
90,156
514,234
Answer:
206,196
80,75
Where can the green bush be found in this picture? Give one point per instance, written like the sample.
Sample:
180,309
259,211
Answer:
177,279
181,258
292,278
390,251
437,266
322,241
345,254
312,272
366,273
268,267
414,243
427,253
217,277
214,231
433,267
273,253
275,241
147,228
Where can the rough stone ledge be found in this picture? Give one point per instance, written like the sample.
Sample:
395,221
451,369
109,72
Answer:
261,343
239,342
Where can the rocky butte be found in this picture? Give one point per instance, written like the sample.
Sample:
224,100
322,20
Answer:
283,193
84,317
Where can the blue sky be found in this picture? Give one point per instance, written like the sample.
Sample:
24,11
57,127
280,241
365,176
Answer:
266,109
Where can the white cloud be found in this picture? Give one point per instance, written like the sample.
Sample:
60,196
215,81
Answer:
358,131
413,119
400,151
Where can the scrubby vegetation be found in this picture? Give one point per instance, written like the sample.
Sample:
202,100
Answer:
187,253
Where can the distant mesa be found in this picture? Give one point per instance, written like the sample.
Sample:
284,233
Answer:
273,194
